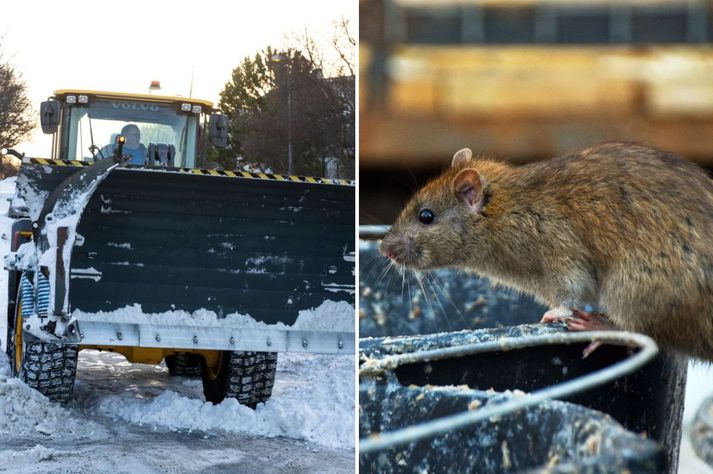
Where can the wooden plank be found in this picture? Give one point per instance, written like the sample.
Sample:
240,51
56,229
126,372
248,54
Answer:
546,80
388,139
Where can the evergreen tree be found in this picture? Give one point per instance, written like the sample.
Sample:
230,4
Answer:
278,97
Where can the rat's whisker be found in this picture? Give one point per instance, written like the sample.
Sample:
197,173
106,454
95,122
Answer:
368,218
440,303
375,263
383,273
424,292
403,282
441,285
408,287
410,171
393,275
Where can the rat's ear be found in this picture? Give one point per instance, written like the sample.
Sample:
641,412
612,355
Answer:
468,187
461,157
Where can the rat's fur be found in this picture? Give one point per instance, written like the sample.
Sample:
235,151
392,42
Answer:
619,225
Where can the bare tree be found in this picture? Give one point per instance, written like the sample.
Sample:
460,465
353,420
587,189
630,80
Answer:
336,61
345,46
16,120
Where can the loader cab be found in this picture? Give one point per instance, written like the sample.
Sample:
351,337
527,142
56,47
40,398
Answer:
173,131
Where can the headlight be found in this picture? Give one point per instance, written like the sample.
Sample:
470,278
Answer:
71,99
185,107
83,99
197,109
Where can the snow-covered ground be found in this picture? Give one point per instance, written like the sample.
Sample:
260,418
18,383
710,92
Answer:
122,408
136,418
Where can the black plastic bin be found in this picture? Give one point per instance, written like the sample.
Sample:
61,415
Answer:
552,436
648,401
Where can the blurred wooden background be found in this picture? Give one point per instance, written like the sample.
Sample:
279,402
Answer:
525,80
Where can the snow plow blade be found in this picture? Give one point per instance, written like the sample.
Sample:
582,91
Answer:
261,245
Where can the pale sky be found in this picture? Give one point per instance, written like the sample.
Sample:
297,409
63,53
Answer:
122,46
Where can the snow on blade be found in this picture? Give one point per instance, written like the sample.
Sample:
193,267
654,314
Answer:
257,264
34,198
25,256
120,245
329,316
335,287
67,212
90,273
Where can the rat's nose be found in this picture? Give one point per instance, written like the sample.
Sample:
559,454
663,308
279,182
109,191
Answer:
386,251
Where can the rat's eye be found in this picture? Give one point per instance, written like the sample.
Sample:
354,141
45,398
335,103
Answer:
426,216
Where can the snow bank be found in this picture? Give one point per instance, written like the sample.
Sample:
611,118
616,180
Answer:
24,412
313,400
7,191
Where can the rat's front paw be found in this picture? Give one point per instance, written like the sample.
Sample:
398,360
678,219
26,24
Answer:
583,321
556,315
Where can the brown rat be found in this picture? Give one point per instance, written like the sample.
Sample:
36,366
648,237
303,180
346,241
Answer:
618,225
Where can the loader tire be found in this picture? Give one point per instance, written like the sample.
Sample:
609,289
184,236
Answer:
265,368
10,342
49,368
14,312
184,365
246,376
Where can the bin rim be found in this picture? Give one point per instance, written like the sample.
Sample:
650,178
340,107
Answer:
377,368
